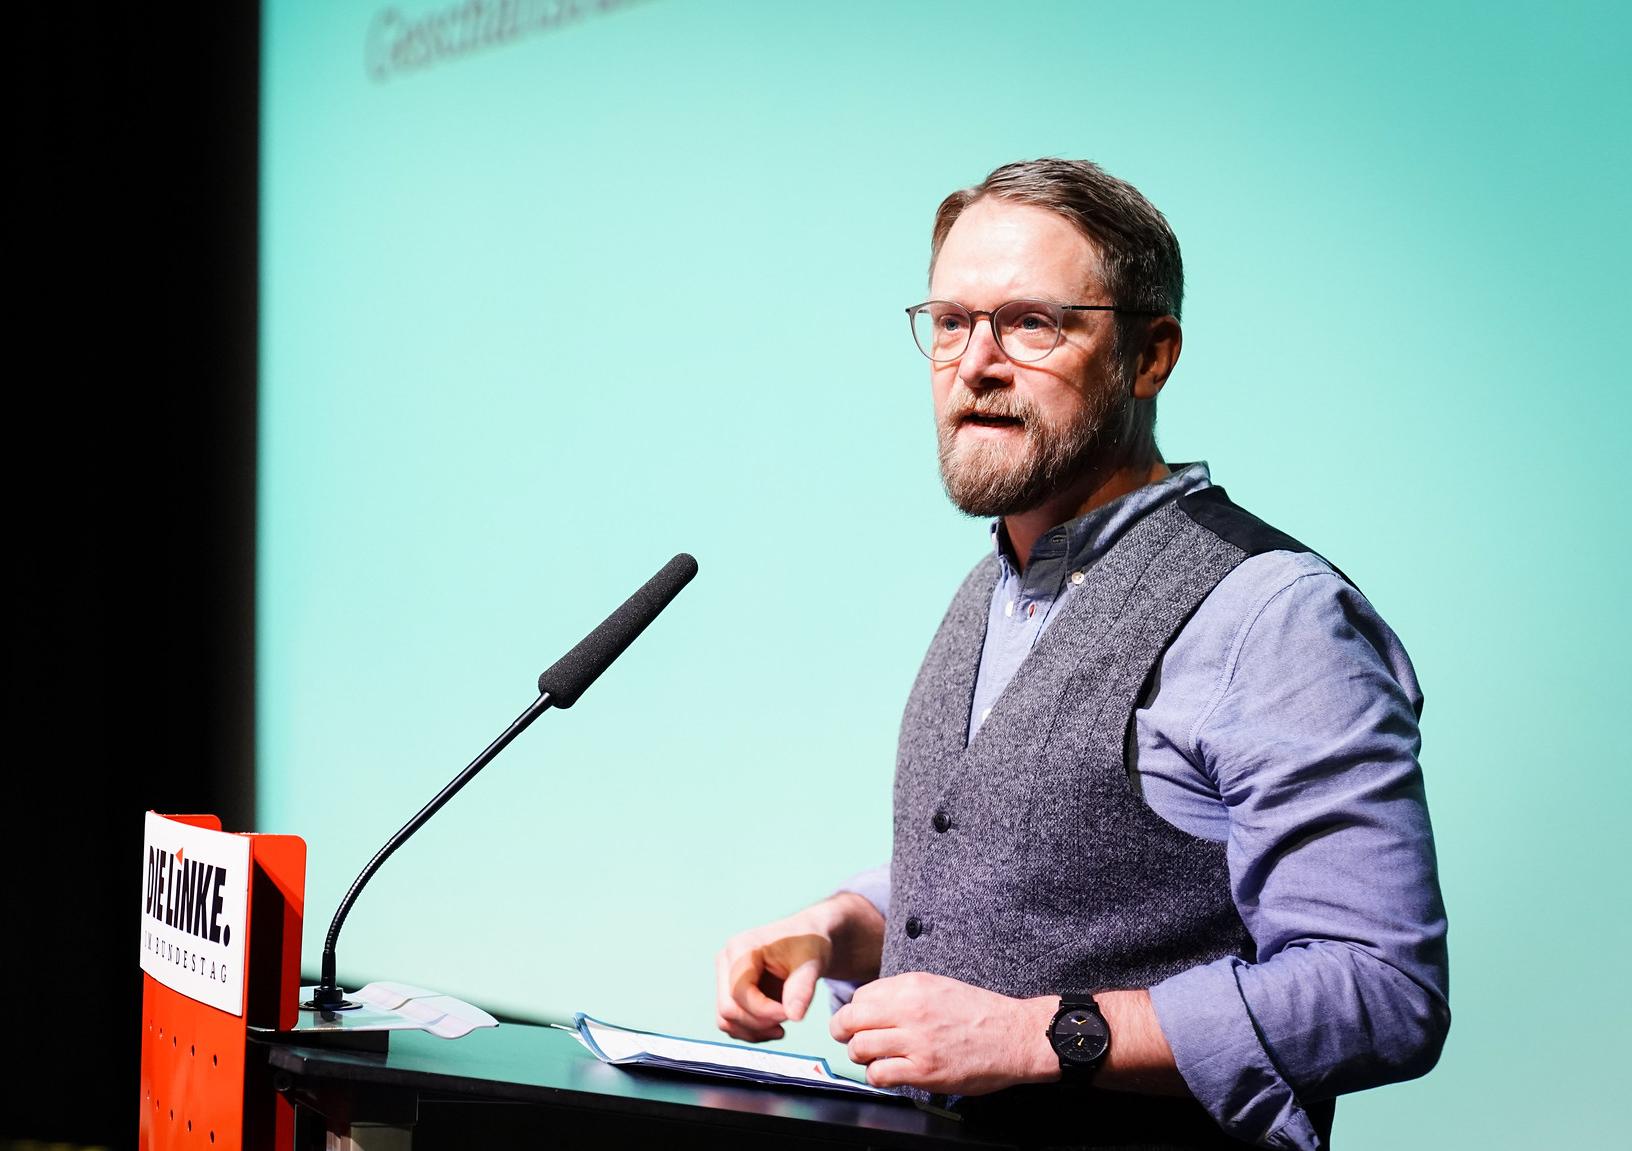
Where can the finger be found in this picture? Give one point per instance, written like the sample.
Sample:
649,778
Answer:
735,1021
871,1046
853,1019
839,1025
862,1014
745,992
741,1021
799,988
725,998
732,971
892,1072
747,1032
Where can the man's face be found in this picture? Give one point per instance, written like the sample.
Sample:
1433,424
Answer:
1013,436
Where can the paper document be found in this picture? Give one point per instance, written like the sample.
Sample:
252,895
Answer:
397,1007
626,1047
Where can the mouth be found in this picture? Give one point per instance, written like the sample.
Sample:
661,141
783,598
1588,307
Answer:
988,420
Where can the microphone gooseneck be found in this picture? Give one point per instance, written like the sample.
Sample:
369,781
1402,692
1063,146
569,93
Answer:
559,686
329,996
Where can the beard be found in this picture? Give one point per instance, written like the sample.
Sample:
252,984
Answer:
991,477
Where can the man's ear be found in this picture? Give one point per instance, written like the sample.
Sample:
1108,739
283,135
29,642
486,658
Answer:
1158,356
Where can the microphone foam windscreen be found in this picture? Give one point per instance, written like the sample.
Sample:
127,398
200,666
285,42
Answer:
566,679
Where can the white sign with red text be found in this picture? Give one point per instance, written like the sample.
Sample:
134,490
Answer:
195,895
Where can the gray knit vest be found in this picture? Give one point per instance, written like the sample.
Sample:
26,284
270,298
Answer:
1025,861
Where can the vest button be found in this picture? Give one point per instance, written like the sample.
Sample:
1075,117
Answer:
942,821
915,927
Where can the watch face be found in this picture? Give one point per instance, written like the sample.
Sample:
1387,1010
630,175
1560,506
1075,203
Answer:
1080,1036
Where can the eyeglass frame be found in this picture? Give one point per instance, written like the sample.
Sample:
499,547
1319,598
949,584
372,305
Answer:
975,314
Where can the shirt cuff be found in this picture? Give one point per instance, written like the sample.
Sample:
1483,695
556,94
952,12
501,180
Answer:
1218,1053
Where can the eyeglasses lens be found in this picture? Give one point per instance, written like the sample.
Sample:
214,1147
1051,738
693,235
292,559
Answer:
1026,330
942,331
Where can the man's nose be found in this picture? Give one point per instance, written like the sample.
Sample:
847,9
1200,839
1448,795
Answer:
983,364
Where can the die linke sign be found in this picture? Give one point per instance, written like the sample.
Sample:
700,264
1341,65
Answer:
195,892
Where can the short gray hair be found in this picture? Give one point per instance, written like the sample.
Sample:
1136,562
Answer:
1138,251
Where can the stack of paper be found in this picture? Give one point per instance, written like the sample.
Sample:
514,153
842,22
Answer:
397,1007
626,1047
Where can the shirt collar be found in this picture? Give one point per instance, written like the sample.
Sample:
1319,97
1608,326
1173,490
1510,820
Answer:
1088,537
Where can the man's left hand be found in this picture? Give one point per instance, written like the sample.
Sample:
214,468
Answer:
936,1033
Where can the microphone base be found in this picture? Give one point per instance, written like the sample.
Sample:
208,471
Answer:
343,1005
329,999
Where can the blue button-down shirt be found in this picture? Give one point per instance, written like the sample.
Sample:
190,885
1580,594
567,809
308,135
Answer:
1285,727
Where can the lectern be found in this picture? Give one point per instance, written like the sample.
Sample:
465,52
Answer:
227,1064
221,920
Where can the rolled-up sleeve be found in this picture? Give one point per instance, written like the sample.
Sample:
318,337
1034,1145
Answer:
1312,741
1217,1049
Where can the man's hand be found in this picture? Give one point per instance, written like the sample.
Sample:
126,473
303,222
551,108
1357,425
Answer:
928,1031
767,976
945,1036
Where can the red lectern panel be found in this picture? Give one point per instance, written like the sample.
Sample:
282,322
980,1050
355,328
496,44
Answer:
198,1091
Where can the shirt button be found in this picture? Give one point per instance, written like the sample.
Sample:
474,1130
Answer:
986,713
942,821
1077,577
915,927
1008,608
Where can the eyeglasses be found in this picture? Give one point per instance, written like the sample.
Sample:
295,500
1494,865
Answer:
1025,330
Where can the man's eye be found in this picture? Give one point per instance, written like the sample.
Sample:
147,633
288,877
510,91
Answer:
950,323
1032,322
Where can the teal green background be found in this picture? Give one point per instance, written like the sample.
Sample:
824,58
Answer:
538,317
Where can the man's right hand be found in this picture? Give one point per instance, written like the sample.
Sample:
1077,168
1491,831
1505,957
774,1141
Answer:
767,976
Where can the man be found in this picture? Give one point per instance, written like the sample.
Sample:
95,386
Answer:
1163,874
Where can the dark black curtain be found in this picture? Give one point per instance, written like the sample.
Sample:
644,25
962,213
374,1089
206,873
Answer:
130,479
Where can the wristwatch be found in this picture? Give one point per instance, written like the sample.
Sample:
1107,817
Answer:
1079,1035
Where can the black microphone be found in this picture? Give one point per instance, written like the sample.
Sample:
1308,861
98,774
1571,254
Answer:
568,677
559,686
